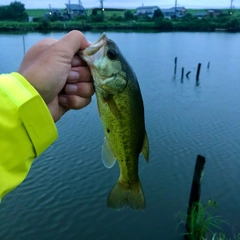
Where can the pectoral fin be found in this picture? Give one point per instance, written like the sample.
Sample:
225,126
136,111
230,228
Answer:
113,107
107,156
145,147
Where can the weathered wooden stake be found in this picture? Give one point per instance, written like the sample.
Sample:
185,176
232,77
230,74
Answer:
208,65
182,73
24,48
188,73
175,66
196,186
198,72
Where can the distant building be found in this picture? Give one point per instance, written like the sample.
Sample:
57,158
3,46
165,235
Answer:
73,10
179,12
168,13
54,14
200,15
210,13
147,11
214,12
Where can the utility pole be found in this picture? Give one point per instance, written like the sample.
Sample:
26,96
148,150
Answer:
101,5
231,6
80,7
175,8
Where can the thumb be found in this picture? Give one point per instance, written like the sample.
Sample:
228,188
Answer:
74,41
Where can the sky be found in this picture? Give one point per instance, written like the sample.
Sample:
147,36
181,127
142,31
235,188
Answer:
129,3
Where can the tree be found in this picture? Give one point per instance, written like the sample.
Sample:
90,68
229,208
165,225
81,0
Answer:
44,24
158,14
233,24
128,15
15,11
164,25
94,12
97,18
188,16
3,12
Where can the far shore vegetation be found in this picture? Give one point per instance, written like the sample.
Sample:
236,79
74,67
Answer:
15,17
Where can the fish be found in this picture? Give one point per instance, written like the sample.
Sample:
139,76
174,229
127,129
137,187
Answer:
121,111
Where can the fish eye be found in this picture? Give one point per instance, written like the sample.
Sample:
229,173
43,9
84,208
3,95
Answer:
112,54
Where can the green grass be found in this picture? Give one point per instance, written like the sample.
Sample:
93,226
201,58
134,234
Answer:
200,223
222,236
20,25
36,12
116,13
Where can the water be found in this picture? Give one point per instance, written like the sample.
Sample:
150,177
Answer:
64,195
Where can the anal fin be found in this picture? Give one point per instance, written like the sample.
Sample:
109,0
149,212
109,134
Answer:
145,147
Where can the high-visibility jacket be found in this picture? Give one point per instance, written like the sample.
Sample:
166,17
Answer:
26,129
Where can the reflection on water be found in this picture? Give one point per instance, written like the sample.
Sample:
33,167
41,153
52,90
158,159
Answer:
64,195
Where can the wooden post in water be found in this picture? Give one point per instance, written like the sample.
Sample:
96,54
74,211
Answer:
175,66
196,186
188,73
182,73
208,65
198,72
24,47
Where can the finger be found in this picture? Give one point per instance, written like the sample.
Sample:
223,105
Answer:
77,61
79,74
82,89
56,112
73,101
74,41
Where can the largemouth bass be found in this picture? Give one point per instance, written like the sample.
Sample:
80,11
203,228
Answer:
121,111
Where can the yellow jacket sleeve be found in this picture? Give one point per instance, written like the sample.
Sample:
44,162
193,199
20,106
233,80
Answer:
26,129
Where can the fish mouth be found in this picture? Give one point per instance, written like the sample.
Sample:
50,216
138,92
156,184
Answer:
93,48
95,51
91,55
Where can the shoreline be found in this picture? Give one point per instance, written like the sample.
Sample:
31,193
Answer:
82,26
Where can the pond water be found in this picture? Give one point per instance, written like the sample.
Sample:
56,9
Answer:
64,195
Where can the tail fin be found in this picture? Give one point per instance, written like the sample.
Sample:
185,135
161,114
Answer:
124,194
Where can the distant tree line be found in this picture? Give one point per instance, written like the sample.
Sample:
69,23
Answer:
14,12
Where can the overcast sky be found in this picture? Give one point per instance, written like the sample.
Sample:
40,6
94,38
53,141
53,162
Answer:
129,3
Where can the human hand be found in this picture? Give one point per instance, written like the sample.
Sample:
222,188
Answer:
61,78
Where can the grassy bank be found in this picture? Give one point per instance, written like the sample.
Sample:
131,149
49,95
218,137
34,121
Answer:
36,12
164,25
78,25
